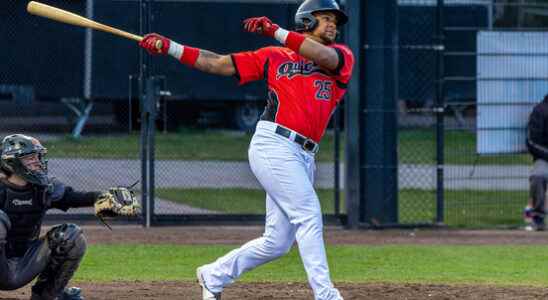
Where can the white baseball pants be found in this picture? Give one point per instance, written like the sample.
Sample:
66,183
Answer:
293,212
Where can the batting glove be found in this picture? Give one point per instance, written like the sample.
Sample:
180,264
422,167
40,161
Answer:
261,25
155,44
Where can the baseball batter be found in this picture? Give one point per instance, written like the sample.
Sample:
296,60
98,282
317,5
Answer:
306,77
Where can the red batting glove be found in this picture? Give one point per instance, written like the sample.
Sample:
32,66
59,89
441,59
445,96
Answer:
261,25
155,44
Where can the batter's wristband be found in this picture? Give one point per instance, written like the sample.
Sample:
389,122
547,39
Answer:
185,54
294,41
190,56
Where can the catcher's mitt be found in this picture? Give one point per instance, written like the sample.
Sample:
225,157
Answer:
118,201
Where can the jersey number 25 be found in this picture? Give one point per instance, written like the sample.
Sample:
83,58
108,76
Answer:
323,89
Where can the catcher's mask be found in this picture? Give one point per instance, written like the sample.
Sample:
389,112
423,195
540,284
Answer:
25,156
305,20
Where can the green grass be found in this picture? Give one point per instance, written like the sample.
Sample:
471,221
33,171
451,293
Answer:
462,208
499,265
232,200
188,144
415,146
419,146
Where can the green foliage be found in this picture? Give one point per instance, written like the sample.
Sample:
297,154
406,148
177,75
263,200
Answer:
499,265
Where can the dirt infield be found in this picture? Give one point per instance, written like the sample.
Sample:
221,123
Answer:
264,291
298,291
233,235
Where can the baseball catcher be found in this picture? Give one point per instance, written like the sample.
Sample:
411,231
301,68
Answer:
26,193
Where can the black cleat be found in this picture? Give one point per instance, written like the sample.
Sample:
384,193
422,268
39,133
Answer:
538,222
72,293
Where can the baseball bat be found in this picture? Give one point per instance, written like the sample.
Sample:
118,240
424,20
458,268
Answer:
53,13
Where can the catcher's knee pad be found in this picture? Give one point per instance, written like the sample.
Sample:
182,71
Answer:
67,241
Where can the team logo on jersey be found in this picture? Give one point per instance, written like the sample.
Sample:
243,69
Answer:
19,202
290,69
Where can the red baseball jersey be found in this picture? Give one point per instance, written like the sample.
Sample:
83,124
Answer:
301,95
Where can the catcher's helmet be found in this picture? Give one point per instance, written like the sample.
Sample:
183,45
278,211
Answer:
16,147
305,20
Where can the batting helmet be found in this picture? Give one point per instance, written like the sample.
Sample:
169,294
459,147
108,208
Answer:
305,20
14,148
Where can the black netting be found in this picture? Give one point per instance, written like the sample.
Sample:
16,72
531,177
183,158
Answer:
486,189
55,85
416,135
79,91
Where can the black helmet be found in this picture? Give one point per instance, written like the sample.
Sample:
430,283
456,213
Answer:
16,146
305,20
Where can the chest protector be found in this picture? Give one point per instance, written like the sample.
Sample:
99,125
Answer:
26,209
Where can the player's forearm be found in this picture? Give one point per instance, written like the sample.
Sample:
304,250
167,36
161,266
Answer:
322,55
326,57
203,60
214,63
75,199
81,199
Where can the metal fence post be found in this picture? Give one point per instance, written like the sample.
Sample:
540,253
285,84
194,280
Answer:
337,163
147,120
353,39
379,114
439,111
148,128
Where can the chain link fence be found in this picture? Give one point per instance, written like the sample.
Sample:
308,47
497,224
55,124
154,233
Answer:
216,182
416,135
479,189
83,101
484,186
51,88
220,186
